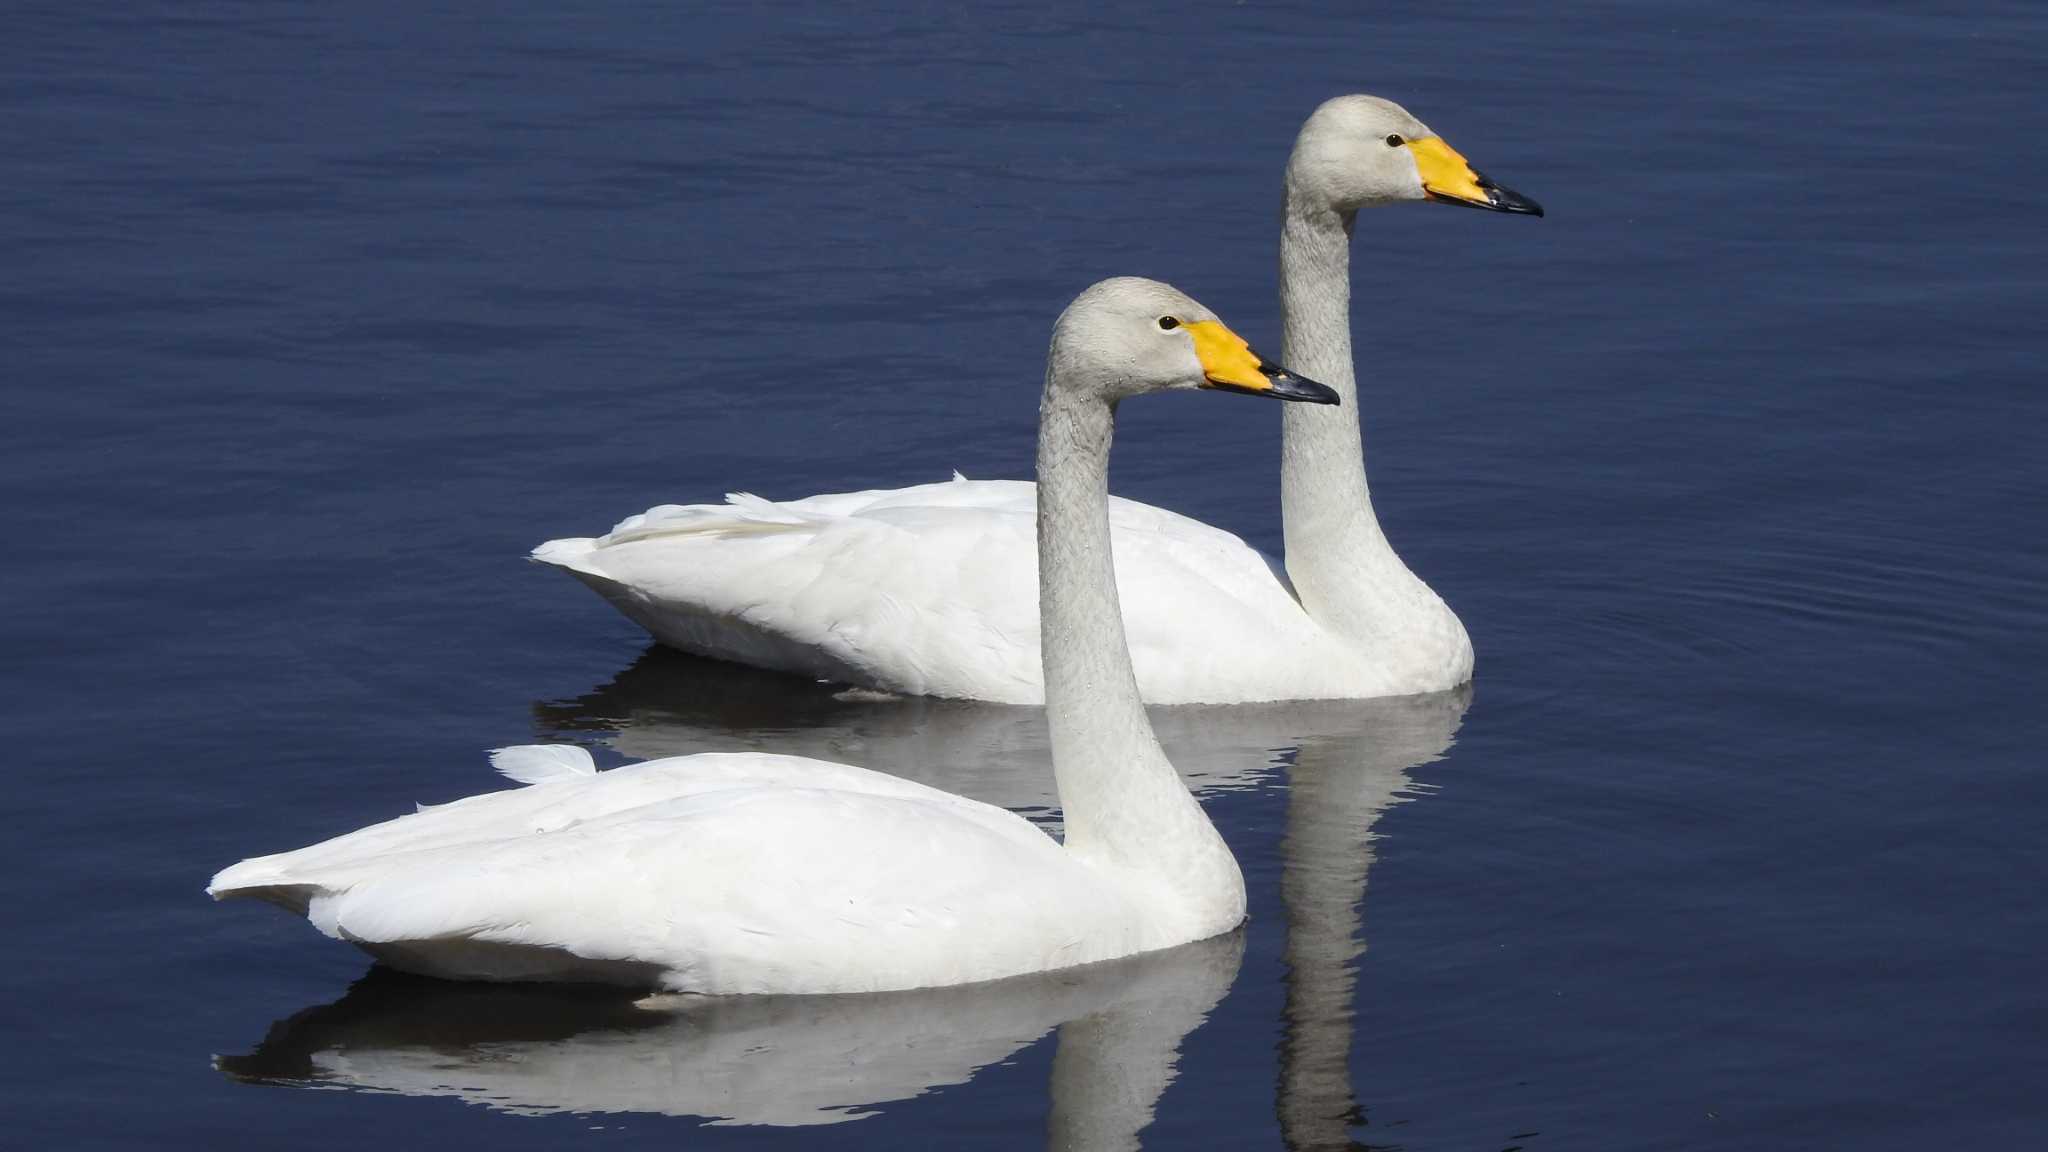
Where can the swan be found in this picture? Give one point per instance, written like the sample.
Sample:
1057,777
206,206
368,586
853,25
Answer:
926,591
764,873
533,1050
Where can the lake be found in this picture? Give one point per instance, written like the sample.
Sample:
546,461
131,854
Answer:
317,318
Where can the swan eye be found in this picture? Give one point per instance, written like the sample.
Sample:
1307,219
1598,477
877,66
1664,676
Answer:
1394,141
1168,323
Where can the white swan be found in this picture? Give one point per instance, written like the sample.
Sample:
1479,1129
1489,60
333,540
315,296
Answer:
756,873
927,590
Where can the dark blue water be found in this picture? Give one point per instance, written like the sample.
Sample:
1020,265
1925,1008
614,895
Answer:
315,318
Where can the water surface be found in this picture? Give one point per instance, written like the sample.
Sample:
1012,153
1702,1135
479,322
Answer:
317,318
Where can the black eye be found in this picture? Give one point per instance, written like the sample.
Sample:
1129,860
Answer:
1394,141
1168,323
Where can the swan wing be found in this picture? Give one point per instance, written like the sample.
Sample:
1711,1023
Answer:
932,590
715,873
915,590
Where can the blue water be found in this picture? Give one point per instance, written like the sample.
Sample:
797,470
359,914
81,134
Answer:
315,318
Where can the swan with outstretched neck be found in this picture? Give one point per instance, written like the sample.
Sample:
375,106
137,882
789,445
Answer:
759,873
927,590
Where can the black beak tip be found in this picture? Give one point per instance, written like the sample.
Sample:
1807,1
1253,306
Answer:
1506,199
1301,389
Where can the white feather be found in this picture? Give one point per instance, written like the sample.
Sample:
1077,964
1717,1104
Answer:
542,763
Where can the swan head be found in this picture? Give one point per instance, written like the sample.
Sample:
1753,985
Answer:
1358,151
1128,336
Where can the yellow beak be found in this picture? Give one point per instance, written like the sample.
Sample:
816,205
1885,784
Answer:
1230,364
1448,179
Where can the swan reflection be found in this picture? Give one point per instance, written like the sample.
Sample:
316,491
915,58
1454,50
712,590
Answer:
1339,785
781,1060
828,1059
670,704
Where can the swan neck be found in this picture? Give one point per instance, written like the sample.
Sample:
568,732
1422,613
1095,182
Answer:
1325,504
1123,802
1315,299
1346,575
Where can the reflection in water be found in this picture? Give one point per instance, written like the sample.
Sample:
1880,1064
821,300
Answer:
670,704
785,1060
1339,784
814,1060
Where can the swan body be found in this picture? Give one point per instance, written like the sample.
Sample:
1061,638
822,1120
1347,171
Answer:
760,873
716,873
926,590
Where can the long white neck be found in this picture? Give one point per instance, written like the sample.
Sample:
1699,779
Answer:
1124,804
1337,557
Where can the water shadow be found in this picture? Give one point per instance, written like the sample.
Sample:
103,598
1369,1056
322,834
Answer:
1340,784
775,1060
670,704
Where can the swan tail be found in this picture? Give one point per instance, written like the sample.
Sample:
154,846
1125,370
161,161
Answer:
743,513
284,880
759,511
261,878
569,552
543,763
